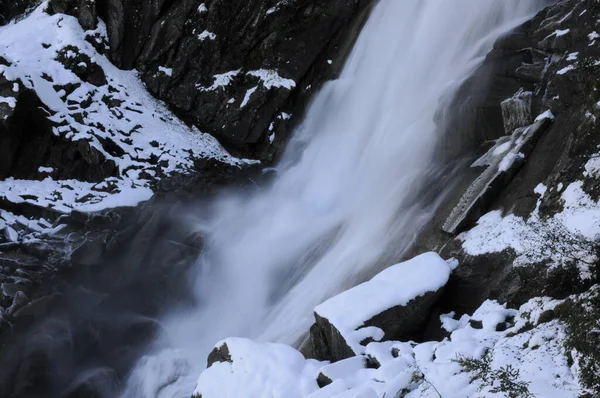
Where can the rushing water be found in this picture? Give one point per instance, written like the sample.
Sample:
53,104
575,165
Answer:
348,195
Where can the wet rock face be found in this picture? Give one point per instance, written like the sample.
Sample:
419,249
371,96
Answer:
562,42
554,56
63,288
85,11
516,62
24,122
10,9
237,69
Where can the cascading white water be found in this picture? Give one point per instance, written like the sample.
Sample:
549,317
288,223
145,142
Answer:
346,193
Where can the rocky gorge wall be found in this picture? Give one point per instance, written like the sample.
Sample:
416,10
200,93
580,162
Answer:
551,58
239,70
270,57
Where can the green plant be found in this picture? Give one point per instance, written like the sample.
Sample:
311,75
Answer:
506,380
480,369
582,320
568,250
503,380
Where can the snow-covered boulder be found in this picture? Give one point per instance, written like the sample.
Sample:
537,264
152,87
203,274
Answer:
242,368
393,305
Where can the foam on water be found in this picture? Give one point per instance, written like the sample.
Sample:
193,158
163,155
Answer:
347,194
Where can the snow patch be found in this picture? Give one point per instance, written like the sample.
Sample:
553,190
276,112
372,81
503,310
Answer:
166,71
508,160
68,195
207,35
271,79
10,101
592,167
566,69
581,214
221,80
277,6
247,96
545,115
535,240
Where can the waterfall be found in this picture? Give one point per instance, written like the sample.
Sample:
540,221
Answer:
349,192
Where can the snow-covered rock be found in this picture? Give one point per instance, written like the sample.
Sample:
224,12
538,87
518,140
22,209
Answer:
252,370
495,352
392,305
101,141
10,234
501,163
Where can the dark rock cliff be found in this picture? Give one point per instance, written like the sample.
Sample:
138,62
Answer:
561,76
236,69
554,59
10,9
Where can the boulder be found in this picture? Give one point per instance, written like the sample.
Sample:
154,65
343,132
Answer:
219,354
340,369
38,307
394,305
11,289
10,235
85,11
243,368
82,65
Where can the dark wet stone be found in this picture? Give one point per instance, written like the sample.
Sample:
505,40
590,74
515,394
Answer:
11,289
10,9
219,354
19,261
38,307
91,251
476,324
